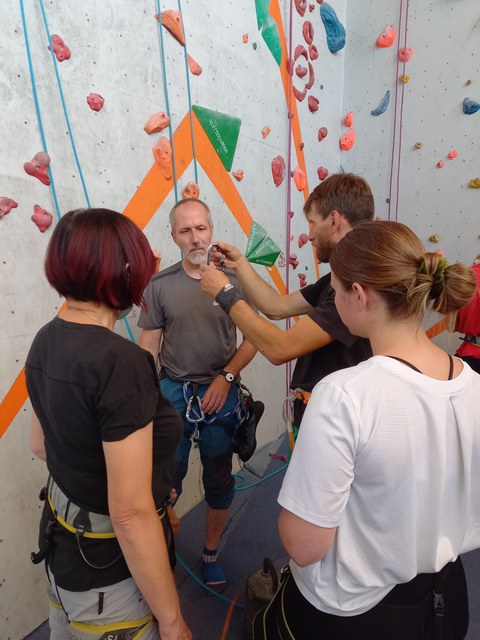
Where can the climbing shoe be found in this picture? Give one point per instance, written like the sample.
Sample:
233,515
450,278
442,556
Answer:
244,440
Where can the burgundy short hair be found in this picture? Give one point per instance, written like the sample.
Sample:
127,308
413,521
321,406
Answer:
101,256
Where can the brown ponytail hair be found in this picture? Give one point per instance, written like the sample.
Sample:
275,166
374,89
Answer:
390,259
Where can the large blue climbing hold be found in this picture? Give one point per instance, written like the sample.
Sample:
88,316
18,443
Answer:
334,28
470,106
382,107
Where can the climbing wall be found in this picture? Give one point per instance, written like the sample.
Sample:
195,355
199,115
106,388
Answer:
106,105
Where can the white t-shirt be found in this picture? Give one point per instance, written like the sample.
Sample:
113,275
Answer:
392,458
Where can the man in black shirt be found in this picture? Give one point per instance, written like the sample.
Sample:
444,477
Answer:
320,340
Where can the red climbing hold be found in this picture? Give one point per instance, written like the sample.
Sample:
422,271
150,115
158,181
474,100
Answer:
6,205
302,240
41,217
301,71
60,49
308,32
38,167
311,7
192,190
157,122
440,164
293,260
311,76
348,140
313,103
300,95
322,173
300,51
172,21
405,54
348,119
301,6
194,67
278,170
95,101
290,64
453,154
299,178
312,52
245,38
322,133
302,277
238,175
162,152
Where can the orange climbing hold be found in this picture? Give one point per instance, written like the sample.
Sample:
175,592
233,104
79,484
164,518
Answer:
348,119
278,170
172,21
238,175
194,67
299,178
387,38
245,38
192,190
348,140
42,218
162,152
265,131
157,122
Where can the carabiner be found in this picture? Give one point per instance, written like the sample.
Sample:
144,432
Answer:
222,259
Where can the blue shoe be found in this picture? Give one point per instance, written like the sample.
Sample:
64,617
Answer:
213,575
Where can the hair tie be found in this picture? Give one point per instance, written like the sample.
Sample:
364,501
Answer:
439,278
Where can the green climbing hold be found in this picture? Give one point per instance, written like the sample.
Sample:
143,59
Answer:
222,131
261,249
269,29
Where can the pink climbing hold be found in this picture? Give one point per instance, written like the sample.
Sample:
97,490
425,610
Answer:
322,173
405,54
38,167
300,51
245,38
300,95
162,152
302,277
440,164
42,218
238,175
194,67
312,52
348,140
301,71
192,190
60,49
95,101
387,38
302,240
348,119
299,178
172,21
308,32
311,76
313,103
322,133
293,260
6,205
453,154
157,122
278,170
301,6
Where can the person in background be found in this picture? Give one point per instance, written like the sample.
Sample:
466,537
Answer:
108,437
382,491
468,323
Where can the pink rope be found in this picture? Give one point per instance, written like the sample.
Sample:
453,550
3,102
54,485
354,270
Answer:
399,159
392,163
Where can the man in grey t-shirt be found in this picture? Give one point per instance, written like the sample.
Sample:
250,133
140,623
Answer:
198,359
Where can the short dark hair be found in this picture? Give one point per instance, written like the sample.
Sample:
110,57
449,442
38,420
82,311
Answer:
346,193
99,255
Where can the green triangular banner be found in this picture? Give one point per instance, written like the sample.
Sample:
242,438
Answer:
222,131
261,249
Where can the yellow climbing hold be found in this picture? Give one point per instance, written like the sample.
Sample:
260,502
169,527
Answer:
434,238
418,145
474,184
404,78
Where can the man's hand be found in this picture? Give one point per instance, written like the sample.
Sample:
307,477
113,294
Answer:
232,256
215,395
212,280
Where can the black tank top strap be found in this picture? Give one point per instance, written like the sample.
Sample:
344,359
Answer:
450,370
409,364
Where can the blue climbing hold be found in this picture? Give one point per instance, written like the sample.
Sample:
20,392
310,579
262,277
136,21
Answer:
470,106
382,107
333,27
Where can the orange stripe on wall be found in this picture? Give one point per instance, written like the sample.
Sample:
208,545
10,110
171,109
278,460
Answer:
13,402
437,329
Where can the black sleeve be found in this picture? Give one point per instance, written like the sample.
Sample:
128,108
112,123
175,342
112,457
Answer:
311,292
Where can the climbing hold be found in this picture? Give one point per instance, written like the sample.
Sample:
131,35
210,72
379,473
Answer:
245,38
293,260
312,52
290,64
41,217
192,190
162,152
278,170
313,103
60,49
322,173
157,122
281,259
382,107
334,29
322,133
300,95
265,131
470,106
308,32
453,154
38,167
302,146
300,51
386,38
468,83
291,214
348,140
473,184
311,7
6,205
348,119
405,54
193,65
95,101
434,238
418,145
172,21
311,76
300,6
254,46
302,280
440,164
301,71
238,175
405,79
302,240
300,179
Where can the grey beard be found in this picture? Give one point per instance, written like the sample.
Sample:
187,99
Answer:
197,259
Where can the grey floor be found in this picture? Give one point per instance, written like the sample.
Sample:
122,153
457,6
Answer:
251,534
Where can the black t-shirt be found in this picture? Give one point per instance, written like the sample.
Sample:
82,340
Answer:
89,385
346,350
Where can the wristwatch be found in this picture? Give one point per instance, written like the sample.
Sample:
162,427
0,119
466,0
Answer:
229,377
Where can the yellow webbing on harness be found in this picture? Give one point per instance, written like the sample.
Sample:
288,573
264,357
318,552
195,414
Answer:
99,630
85,534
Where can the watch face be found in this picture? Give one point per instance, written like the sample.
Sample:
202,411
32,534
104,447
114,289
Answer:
229,377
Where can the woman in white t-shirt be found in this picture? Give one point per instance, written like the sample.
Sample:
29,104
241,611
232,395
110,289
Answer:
383,489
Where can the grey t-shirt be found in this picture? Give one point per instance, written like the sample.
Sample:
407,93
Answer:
199,339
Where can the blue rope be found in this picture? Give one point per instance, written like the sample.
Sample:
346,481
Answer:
187,71
241,486
167,100
37,106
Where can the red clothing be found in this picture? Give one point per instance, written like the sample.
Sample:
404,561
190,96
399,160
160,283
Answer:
468,321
